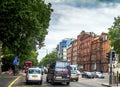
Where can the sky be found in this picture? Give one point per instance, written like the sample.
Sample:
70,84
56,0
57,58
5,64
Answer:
70,17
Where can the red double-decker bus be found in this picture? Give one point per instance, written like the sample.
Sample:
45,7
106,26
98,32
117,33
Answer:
27,64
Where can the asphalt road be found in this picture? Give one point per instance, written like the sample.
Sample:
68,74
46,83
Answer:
83,82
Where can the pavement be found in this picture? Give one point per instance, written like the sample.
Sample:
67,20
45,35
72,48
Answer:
7,80
113,85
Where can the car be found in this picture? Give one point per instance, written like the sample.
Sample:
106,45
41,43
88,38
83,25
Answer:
59,72
34,75
78,72
87,74
74,75
98,74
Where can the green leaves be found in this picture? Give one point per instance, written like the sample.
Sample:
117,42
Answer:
114,35
49,58
23,25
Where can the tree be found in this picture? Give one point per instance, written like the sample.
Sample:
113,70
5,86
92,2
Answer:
49,58
23,25
114,35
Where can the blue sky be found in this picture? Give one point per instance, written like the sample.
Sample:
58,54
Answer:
70,17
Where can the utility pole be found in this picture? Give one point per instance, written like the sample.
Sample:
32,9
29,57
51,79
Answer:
110,76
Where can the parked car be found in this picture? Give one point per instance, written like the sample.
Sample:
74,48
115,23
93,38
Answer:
34,75
87,74
98,75
74,75
78,72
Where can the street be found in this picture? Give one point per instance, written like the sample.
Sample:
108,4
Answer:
83,82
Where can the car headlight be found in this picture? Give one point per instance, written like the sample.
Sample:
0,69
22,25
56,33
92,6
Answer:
68,75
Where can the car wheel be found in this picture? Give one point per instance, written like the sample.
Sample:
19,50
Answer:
77,80
27,82
52,82
97,76
40,82
68,83
46,79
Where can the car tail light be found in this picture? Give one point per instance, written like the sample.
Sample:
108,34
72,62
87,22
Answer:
26,76
54,77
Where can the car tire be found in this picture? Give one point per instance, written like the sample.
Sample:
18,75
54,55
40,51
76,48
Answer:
27,82
68,83
52,82
46,79
77,80
40,82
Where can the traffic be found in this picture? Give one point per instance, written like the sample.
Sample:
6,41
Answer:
60,73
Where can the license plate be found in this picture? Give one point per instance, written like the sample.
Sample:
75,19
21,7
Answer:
58,77
73,76
34,76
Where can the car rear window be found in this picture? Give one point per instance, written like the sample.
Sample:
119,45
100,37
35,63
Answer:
62,64
34,71
73,72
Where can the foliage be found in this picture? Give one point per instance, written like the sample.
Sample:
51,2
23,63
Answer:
23,25
6,65
49,58
114,35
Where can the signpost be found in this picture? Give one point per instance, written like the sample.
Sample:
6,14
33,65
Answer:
15,63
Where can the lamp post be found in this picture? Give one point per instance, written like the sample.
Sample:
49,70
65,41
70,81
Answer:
0,57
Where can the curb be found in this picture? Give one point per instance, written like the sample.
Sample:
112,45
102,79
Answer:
11,84
106,85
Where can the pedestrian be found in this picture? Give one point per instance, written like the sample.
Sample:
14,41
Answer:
10,71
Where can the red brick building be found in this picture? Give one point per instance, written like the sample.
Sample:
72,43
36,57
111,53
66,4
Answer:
72,52
92,51
100,46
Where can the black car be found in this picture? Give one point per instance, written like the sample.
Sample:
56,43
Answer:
87,74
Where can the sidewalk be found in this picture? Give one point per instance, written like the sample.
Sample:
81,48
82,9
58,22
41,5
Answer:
113,85
6,78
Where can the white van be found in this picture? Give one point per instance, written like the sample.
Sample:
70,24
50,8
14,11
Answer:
34,75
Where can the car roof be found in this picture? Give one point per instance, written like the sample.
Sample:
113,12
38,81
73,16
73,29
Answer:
35,68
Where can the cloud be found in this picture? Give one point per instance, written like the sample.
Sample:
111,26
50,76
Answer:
68,20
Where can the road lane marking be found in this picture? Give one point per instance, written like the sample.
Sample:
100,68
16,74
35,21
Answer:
14,81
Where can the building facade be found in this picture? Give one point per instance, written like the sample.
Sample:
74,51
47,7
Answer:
62,48
72,52
84,40
99,47
91,51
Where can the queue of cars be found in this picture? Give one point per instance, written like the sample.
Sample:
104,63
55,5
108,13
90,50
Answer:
59,72
95,74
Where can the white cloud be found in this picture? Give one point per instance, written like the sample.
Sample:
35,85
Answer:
68,21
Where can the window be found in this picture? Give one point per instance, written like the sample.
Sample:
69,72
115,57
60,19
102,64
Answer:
62,64
34,71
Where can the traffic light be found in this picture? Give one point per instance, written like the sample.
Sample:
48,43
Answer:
113,56
108,56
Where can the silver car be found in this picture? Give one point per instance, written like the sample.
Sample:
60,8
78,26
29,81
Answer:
98,75
34,75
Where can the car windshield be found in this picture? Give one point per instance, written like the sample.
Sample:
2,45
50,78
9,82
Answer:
62,64
73,72
34,71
